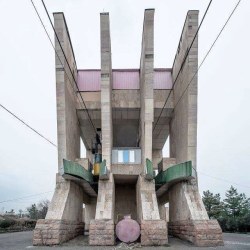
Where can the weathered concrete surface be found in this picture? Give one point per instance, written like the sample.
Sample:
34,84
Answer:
54,232
183,126
200,232
90,210
185,203
106,89
147,207
68,131
64,218
125,201
101,230
154,233
188,218
146,85
102,233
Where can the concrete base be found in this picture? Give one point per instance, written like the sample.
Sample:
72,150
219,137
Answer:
200,232
102,233
154,233
54,232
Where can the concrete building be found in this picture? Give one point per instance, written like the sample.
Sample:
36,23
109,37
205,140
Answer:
121,117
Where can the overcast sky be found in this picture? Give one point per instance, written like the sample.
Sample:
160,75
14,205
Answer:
28,164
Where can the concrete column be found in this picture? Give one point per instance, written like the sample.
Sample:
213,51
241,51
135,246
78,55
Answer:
156,157
153,228
101,231
68,131
147,84
183,127
186,209
90,209
106,89
64,218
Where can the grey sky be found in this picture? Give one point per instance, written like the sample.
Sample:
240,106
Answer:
28,164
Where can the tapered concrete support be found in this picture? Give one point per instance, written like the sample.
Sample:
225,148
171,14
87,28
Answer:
101,231
189,219
187,214
153,229
106,89
64,218
146,85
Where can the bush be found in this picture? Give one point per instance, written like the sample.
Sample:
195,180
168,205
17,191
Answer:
6,223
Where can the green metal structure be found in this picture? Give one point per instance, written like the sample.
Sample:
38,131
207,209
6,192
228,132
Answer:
177,173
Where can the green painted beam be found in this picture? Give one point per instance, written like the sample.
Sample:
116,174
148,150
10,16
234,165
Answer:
75,169
182,171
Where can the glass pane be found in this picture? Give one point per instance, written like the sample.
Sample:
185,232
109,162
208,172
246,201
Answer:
131,156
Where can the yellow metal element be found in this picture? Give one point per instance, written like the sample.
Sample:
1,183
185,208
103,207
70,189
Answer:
96,168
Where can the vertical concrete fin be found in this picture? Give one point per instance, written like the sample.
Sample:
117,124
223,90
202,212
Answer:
104,216
183,127
185,204
106,89
147,84
68,131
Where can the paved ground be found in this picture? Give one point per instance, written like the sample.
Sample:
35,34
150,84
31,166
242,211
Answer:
23,241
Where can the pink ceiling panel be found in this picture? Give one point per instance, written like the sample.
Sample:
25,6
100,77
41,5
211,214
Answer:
89,80
162,79
126,79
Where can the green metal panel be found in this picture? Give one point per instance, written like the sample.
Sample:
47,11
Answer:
180,171
149,171
104,172
75,169
103,168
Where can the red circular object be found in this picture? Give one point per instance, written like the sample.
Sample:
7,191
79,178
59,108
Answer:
127,230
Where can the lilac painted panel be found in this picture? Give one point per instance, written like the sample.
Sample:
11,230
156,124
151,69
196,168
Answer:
162,79
89,80
126,79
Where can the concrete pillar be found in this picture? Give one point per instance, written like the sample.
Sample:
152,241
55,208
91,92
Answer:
90,209
68,130
146,85
187,215
183,126
156,157
64,218
153,228
101,231
106,89
162,210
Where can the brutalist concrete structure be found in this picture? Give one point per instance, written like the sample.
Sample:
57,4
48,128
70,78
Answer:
124,125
